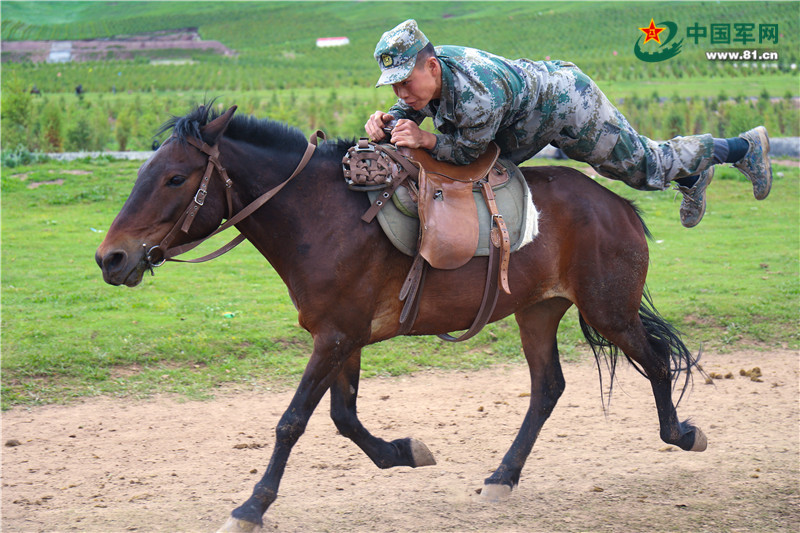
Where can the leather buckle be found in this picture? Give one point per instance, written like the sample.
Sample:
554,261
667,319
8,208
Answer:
364,146
200,196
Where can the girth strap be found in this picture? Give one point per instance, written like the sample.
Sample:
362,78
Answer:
488,302
411,293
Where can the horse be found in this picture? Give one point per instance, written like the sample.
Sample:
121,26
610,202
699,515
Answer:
344,276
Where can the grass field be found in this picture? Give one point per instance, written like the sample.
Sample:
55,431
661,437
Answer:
733,281
730,282
278,71
285,56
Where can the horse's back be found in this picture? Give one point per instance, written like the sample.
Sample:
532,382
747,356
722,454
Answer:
588,235
572,183
579,204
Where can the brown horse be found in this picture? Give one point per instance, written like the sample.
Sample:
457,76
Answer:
344,277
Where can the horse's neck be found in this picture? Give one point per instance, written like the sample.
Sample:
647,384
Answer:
290,220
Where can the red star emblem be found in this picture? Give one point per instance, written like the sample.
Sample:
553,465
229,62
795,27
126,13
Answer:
651,32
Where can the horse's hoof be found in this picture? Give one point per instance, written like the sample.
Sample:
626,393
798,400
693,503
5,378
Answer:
700,441
421,454
495,493
234,525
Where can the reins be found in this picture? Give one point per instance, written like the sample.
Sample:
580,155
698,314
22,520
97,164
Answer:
160,253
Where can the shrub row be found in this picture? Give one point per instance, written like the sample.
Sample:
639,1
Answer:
97,122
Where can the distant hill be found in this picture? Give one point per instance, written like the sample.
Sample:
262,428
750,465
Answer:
149,45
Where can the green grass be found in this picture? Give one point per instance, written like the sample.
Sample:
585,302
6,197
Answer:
734,278
778,85
275,41
730,282
279,72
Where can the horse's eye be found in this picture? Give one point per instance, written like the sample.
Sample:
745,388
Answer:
176,181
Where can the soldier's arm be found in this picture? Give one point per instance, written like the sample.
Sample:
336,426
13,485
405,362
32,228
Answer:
467,142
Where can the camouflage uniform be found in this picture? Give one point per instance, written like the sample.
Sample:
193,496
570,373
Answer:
525,105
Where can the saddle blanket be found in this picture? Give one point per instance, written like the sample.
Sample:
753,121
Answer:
514,201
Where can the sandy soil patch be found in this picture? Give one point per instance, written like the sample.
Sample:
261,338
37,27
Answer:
108,465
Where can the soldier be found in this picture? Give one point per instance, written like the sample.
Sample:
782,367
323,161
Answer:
475,97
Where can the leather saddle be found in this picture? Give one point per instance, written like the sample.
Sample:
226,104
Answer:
449,225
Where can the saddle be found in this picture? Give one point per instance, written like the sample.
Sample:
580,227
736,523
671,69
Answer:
449,225
399,217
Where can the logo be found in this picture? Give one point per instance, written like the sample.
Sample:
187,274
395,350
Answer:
665,50
386,60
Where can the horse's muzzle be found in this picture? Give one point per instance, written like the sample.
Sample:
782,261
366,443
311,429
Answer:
119,268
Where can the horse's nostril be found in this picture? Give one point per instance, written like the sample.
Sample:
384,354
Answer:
114,260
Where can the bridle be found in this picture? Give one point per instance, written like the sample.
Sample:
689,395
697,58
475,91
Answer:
160,253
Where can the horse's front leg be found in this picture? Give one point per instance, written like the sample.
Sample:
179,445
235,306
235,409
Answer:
400,452
331,352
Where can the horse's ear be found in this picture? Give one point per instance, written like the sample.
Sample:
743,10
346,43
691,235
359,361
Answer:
214,129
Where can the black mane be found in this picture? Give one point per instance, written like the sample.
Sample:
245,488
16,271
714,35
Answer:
260,132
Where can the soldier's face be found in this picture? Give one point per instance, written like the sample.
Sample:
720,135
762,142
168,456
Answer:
423,85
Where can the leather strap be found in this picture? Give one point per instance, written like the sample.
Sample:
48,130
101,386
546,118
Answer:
490,293
404,161
411,291
213,255
370,214
213,162
411,171
498,226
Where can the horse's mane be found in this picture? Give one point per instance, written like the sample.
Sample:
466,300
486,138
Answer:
260,132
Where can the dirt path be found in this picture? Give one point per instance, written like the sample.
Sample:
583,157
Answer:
109,465
119,48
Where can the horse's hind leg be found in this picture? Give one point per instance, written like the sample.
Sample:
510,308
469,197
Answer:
400,452
650,341
538,325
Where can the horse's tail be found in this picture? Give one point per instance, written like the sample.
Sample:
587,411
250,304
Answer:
663,338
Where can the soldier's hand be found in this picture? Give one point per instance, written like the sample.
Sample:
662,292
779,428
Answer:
376,123
407,133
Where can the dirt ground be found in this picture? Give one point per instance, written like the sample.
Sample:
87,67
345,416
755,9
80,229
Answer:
109,465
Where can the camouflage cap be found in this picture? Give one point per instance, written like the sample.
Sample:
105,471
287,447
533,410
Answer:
397,51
